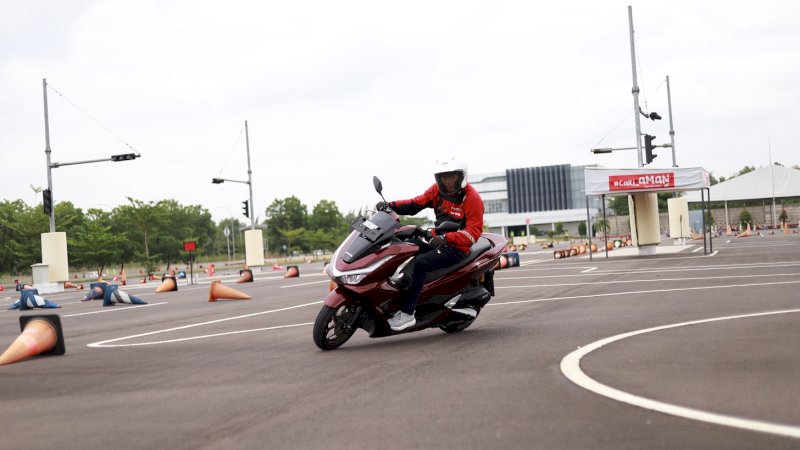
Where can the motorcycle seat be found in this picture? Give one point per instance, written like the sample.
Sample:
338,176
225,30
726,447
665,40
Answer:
477,248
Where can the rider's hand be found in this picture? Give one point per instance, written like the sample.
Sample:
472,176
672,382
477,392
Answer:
381,206
437,242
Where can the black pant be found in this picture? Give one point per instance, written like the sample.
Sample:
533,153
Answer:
422,264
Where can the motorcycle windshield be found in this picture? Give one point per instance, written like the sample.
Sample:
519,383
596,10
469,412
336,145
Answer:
372,233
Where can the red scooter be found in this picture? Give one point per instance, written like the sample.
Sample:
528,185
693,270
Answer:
378,248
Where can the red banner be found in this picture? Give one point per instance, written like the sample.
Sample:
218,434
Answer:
646,181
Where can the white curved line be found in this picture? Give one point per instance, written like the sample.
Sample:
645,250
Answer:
104,343
570,367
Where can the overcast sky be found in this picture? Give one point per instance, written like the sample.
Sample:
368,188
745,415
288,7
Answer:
335,92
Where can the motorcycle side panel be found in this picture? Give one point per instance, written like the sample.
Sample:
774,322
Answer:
335,299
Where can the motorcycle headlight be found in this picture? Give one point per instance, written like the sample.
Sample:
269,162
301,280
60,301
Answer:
355,276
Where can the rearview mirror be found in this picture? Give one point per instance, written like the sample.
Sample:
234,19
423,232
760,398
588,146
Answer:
447,226
377,183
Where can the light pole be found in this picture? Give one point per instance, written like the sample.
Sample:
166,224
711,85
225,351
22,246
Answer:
249,181
671,130
54,245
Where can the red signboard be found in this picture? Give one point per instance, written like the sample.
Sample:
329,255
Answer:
642,181
189,246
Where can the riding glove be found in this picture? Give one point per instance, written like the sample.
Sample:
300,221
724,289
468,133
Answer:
437,242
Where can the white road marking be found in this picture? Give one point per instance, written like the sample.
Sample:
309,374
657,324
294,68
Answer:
653,291
590,269
659,270
570,367
106,342
650,280
191,338
697,249
113,309
305,284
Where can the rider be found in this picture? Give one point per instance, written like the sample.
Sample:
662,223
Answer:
453,199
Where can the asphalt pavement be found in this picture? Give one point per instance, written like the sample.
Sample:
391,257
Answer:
676,350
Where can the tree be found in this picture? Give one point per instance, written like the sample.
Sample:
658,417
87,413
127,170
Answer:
620,205
582,229
745,218
94,244
287,214
783,217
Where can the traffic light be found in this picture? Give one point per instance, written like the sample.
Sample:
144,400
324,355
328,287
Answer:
123,157
47,201
246,208
648,148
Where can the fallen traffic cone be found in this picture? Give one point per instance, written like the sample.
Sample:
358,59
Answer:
96,290
113,295
291,272
277,266
219,290
245,276
557,254
30,299
68,285
2,288
40,335
168,284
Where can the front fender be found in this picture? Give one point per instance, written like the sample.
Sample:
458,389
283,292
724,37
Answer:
337,298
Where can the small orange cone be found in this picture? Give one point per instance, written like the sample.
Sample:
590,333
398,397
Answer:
291,272
277,266
218,291
245,276
40,334
728,232
168,284
557,254
68,285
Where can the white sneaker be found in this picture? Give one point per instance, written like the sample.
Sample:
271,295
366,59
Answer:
400,321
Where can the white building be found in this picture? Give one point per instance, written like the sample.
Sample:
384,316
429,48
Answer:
517,200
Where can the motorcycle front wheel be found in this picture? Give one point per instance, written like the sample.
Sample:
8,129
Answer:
334,326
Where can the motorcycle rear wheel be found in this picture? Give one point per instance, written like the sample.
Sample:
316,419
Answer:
334,326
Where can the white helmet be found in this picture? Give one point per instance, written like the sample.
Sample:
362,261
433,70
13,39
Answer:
448,165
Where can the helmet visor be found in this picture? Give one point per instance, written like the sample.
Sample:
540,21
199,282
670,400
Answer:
450,182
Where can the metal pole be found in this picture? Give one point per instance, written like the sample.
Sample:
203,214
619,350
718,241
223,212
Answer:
250,179
703,222
772,177
671,131
234,235
47,152
589,227
635,92
605,230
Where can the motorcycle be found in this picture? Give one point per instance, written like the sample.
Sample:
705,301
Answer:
378,248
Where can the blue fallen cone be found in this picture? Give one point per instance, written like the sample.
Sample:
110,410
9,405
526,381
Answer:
29,300
113,296
96,290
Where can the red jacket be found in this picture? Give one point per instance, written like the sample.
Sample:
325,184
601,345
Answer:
466,210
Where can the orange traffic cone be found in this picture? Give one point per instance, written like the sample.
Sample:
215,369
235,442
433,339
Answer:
245,276
557,254
68,285
277,266
40,334
728,232
168,284
218,291
291,272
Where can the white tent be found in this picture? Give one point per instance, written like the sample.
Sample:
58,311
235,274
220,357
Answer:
763,183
